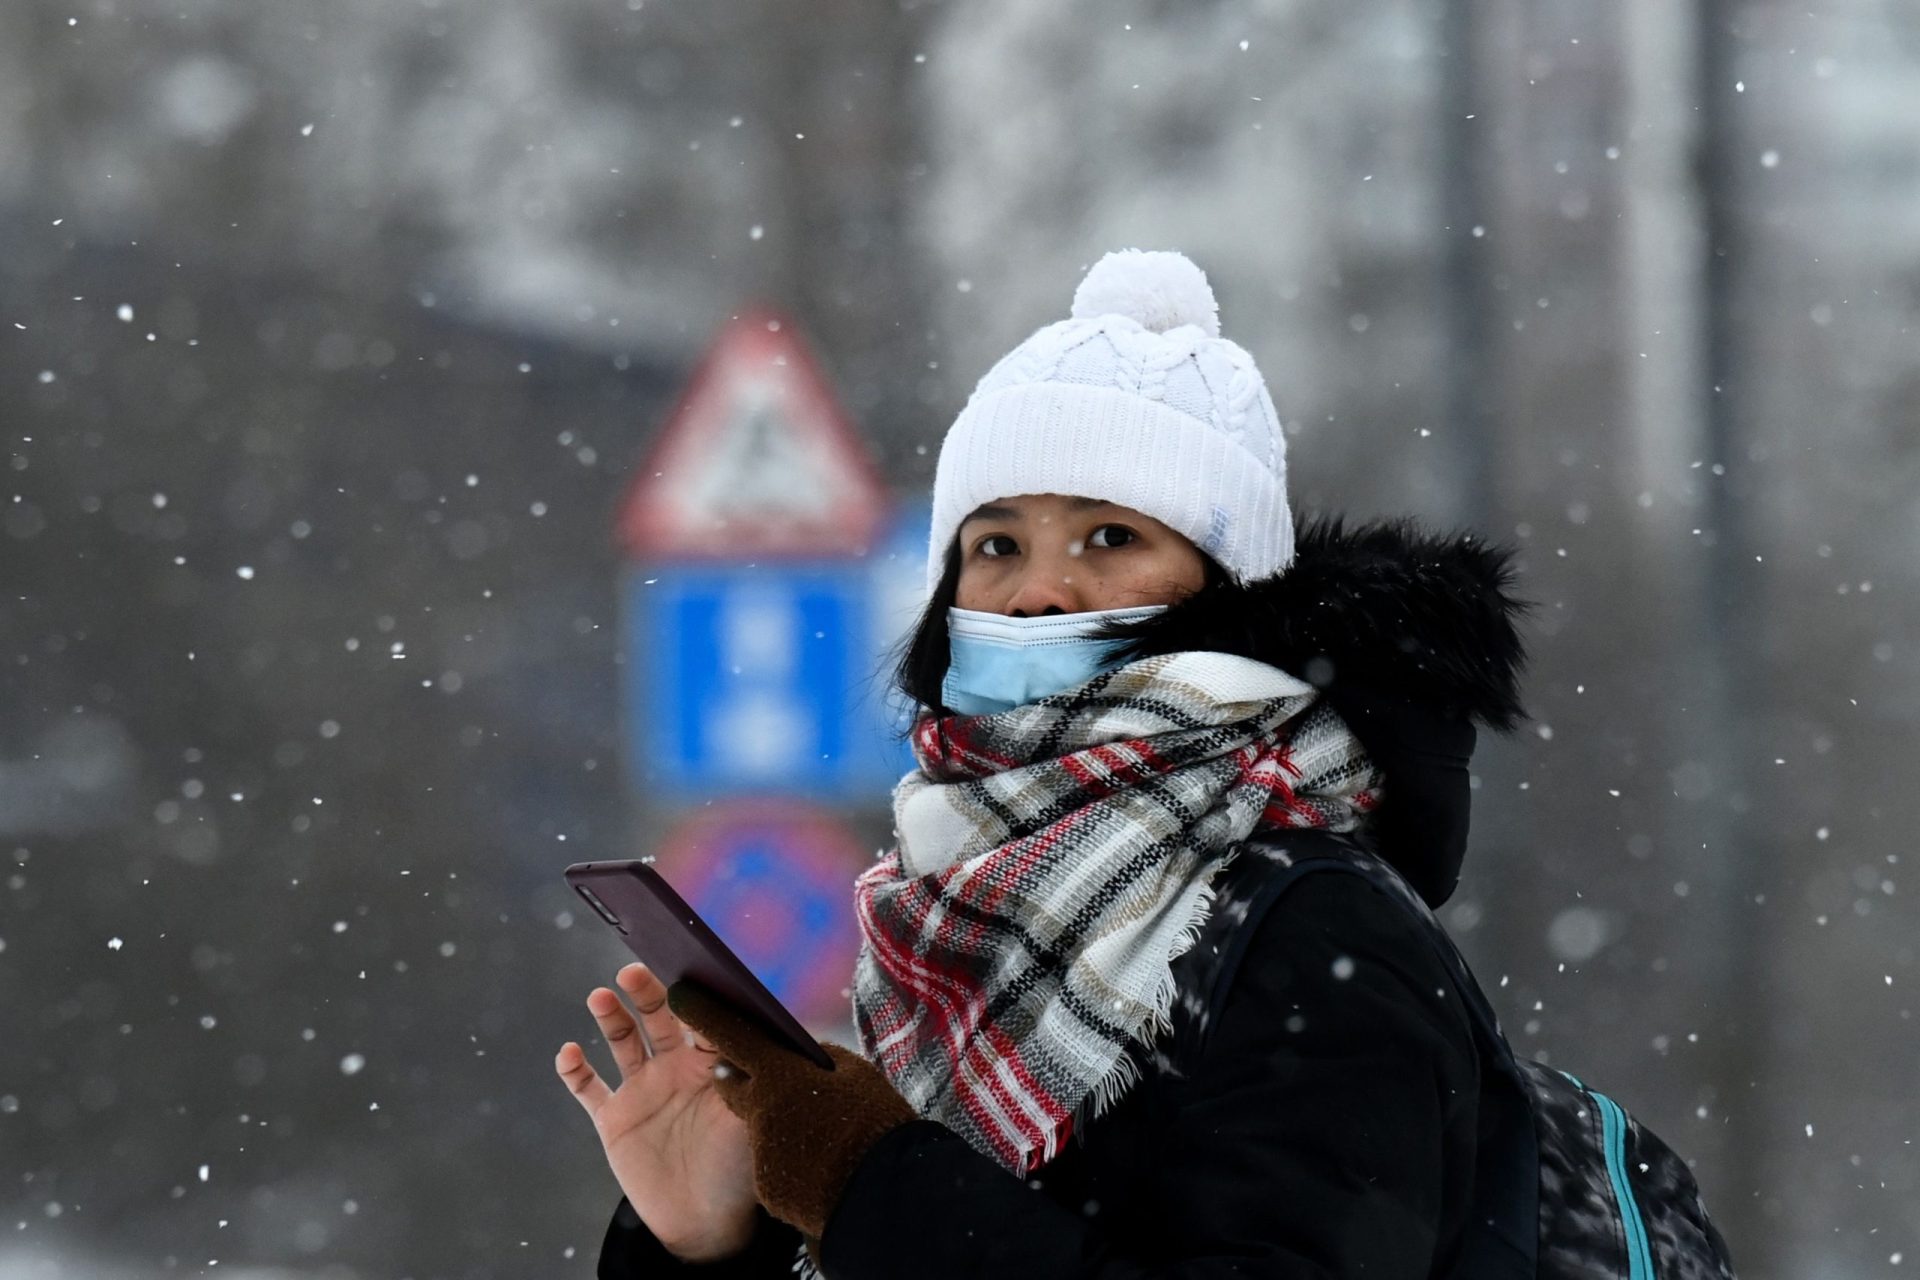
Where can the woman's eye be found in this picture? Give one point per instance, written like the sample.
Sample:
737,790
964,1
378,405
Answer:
998,544
1111,535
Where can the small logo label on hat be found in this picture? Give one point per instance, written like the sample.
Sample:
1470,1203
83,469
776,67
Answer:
1217,528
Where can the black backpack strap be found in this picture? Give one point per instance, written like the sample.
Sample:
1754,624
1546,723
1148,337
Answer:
1502,1243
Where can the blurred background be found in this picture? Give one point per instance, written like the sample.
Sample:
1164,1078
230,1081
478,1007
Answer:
341,344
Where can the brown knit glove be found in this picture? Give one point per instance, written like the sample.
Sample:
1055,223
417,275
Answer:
808,1127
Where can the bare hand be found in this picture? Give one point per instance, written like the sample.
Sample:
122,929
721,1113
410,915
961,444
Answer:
678,1153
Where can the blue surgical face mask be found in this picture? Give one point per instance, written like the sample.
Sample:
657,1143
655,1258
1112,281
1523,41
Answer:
1000,662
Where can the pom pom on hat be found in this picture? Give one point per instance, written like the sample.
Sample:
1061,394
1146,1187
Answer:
1160,289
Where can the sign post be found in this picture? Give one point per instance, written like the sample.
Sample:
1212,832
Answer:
762,595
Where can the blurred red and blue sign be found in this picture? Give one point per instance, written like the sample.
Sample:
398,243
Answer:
776,883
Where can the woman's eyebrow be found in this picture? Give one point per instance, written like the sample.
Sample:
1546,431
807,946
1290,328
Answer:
998,511
989,511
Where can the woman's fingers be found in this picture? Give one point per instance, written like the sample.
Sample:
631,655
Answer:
649,996
572,1066
618,1029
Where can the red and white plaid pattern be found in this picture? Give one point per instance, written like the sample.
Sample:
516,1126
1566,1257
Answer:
1053,860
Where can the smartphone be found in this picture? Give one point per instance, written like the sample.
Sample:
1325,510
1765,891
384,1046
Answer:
671,939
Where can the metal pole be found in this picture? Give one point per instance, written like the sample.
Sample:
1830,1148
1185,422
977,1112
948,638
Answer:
1748,894
1470,363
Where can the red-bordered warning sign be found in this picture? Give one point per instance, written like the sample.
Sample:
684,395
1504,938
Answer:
757,458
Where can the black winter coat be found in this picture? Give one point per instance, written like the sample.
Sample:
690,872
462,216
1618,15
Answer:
1316,1110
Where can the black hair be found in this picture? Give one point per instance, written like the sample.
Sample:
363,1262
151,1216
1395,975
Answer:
922,668
923,663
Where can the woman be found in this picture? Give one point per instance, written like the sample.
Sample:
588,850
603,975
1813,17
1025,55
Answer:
1092,1045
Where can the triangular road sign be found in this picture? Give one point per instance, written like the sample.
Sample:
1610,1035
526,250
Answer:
756,459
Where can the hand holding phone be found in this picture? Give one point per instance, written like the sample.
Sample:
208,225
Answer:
674,942
680,1155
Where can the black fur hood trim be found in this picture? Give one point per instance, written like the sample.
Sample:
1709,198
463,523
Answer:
1412,637
1406,614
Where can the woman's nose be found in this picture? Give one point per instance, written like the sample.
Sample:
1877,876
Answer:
1043,591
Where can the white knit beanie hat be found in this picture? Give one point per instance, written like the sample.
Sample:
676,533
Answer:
1135,399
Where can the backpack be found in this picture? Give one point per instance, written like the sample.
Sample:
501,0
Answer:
1568,1185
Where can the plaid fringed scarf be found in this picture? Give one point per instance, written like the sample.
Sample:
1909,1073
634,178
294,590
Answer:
1053,860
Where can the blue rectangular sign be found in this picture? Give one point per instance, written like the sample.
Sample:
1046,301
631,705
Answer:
762,678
